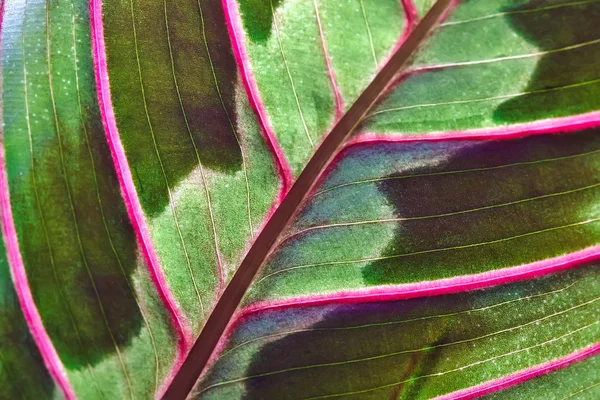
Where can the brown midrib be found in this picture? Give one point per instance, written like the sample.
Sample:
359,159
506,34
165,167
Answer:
223,311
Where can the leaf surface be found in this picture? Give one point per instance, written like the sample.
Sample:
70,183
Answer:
427,217
527,64
203,174
302,68
455,182
91,288
579,380
411,349
178,180
22,372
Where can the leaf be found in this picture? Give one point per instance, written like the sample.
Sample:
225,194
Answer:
180,197
201,190
397,218
22,373
93,293
420,348
579,379
545,69
302,97
416,227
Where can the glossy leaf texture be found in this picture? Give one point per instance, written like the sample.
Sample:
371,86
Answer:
419,348
198,172
470,190
198,159
576,381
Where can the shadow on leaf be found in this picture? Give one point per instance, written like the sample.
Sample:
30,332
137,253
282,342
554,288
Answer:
444,241
257,16
566,81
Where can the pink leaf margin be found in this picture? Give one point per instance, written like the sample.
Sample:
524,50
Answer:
128,191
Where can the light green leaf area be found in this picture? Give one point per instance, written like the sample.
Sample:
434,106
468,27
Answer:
422,6
288,43
401,212
22,371
578,381
84,268
412,349
496,63
202,170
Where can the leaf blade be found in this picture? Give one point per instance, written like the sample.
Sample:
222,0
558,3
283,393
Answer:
198,233
61,180
318,294
225,308
375,368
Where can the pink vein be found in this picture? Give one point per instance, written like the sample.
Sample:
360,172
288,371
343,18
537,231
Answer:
523,375
509,132
19,277
440,286
545,126
411,19
449,285
339,102
414,290
128,190
236,34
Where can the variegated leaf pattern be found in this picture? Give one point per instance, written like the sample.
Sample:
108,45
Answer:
476,177
448,250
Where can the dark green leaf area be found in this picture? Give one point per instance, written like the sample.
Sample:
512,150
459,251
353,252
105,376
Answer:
489,205
257,16
82,254
576,68
410,349
173,79
22,371
75,237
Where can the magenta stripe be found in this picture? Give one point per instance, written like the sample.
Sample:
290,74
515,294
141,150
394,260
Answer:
134,209
523,375
236,33
440,286
415,290
19,277
411,20
509,132
545,126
